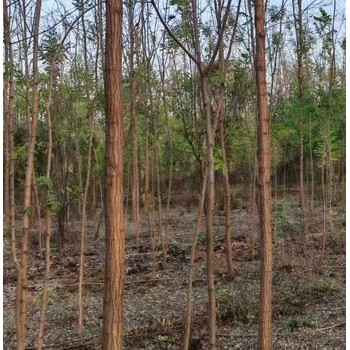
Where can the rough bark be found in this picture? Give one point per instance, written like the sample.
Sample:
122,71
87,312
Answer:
114,213
264,154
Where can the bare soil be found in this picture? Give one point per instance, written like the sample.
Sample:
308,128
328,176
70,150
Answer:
308,302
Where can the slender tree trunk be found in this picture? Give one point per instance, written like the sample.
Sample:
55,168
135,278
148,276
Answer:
300,75
83,228
21,291
87,182
192,265
148,211
264,154
37,202
135,194
220,115
324,207
48,222
163,237
312,184
228,226
9,137
6,98
210,214
114,217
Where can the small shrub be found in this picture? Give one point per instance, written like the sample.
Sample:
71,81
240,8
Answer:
237,309
293,325
178,251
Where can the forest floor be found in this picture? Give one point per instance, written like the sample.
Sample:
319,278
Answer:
308,303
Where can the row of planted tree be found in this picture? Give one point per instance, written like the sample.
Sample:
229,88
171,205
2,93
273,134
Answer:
175,91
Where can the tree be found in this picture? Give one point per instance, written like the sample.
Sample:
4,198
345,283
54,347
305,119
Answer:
9,185
298,22
21,290
264,154
135,201
114,213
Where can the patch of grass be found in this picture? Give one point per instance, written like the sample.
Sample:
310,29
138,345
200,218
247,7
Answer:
293,325
326,286
237,309
9,327
179,252
285,226
202,238
287,302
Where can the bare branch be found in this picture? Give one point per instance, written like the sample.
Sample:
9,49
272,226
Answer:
172,35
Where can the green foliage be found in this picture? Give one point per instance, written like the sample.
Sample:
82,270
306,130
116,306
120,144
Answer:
293,325
27,210
44,181
326,286
322,21
53,202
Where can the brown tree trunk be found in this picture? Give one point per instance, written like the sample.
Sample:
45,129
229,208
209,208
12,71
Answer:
324,206
228,226
300,75
210,193
21,291
87,184
163,237
264,154
220,115
114,216
192,265
9,184
83,227
48,222
148,209
135,194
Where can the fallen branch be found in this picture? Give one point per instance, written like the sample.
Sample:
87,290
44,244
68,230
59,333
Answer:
329,327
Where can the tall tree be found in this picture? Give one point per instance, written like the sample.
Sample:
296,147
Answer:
135,193
9,185
299,32
264,155
114,213
21,291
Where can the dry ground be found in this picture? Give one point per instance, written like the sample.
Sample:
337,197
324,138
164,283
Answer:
308,304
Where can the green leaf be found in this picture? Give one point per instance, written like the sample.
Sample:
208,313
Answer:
26,211
45,181
53,202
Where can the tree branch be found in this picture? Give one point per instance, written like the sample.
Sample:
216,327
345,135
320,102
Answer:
173,36
221,33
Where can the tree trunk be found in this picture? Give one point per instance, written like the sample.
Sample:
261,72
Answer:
192,265
83,227
300,75
114,216
264,154
48,223
210,213
135,194
324,208
163,238
21,291
87,183
9,185
228,226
